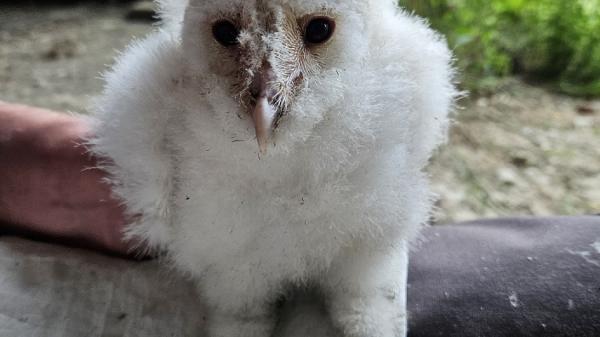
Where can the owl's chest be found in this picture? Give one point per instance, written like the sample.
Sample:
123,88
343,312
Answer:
267,210
234,195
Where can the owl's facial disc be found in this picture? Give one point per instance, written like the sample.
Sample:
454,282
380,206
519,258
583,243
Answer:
275,52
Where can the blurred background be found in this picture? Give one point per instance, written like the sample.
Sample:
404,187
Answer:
526,140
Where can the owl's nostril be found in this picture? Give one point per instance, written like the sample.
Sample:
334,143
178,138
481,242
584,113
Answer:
256,89
262,82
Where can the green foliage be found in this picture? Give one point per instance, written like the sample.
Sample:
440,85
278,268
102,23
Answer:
554,40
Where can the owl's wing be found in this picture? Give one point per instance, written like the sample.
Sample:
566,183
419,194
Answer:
129,123
414,69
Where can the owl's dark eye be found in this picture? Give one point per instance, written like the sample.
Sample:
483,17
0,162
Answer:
226,33
319,30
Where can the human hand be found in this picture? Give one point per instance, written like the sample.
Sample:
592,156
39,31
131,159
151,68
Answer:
49,184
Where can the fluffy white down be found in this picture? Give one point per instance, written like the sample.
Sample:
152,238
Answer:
334,203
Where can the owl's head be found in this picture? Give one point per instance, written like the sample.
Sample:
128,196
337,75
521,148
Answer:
290,67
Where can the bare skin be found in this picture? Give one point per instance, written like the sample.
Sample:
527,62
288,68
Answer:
49,186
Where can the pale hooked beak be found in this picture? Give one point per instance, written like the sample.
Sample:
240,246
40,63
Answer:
264,112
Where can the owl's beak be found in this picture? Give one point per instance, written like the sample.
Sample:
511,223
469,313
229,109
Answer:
263,115
264,112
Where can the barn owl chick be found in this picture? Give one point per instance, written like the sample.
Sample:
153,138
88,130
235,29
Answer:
263,144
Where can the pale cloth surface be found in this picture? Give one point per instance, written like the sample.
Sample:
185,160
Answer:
505,277
53,291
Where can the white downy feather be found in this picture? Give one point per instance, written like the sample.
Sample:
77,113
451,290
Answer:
339,195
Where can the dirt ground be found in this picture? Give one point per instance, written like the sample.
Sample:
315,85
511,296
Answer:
522,151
